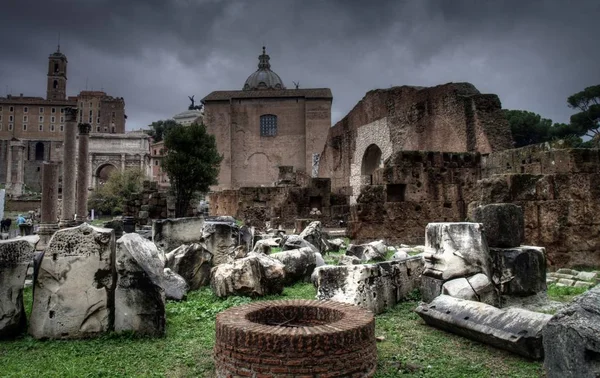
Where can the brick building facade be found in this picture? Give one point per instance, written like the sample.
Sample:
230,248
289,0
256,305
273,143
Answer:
265,126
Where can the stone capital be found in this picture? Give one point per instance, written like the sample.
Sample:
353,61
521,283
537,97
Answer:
71,114
84,128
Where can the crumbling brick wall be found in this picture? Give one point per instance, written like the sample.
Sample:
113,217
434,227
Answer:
413,189
152,203
559,191
453,117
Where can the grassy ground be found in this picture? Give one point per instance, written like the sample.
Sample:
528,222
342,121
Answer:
410,348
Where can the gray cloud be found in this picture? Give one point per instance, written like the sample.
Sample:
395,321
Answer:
155,53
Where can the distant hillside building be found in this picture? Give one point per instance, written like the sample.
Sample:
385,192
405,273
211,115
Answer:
32,128
264,126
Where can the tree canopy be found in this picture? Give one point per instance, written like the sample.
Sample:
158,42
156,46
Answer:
528,127
587,121
158,129
192,163
110,198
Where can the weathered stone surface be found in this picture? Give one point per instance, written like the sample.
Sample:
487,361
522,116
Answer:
374,251
572,339
139,295
376,287
169,234
16,256
349,260
587,276
475,288
265,245
298,263
319,261
459,288
254,275
520,271
337,244
400,255
75,284
220,240
430,288
193,262
455,250
503,224
515,330
313,233
290,242
175,286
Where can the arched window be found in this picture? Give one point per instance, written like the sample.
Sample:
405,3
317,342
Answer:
55,84
39,151
268,125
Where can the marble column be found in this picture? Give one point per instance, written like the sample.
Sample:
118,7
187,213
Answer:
69,160
9,164
49,211
122,162
83,170
15,186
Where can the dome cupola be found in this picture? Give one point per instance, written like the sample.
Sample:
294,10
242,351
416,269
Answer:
263,78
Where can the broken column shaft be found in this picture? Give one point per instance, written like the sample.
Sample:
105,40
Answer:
68,183
83,171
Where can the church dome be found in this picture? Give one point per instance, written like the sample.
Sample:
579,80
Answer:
263,78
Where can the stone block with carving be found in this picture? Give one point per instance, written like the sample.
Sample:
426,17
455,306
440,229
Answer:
169,234
374,251
313,233
455,250
75,284
475,288
16,255
503,224
139,295
220,239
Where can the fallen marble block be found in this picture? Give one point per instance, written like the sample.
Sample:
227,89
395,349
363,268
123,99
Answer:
475,288
521,270
572,339
169,234
298,263
376,287
255,275
16,255
139,296
515,330
193,262
75,282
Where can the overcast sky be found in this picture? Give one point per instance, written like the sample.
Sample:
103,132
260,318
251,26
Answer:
155,53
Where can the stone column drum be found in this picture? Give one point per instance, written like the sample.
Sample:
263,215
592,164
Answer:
83,171
49,215
68,184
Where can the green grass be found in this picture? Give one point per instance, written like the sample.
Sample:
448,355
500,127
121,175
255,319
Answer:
410,348
564,293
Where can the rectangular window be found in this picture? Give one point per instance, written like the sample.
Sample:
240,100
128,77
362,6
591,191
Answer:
268,125
41,110
62,128
53,110
97,129
24,127
11,118
62,110
113,114
41,118
62,119
41,128
25,109
0,117
24,118
90,119
11,109
53,119
91,104
0,108
10,127
52,128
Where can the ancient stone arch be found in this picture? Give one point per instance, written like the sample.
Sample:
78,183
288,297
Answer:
102,173
373,146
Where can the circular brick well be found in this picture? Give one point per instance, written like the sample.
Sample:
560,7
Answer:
295,338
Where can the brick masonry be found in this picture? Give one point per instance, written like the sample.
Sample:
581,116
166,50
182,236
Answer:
295,338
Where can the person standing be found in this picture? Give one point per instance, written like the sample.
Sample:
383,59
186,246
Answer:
21,223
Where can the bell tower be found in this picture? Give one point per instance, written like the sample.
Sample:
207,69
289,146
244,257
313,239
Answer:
57,76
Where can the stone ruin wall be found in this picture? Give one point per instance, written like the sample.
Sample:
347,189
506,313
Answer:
152,203
453,117
281,205
558,189
413,189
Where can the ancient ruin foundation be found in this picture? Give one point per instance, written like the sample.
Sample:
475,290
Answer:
296,338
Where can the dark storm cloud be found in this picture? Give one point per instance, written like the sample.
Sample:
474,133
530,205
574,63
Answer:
154,53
